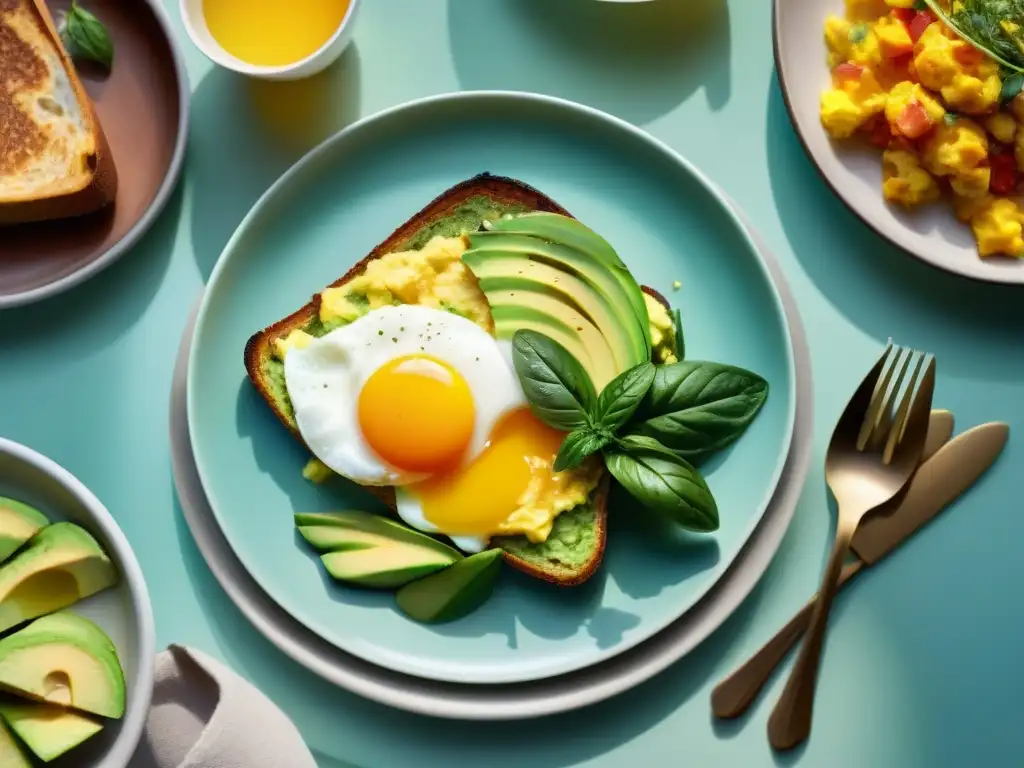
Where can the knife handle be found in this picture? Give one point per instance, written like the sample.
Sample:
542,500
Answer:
731,697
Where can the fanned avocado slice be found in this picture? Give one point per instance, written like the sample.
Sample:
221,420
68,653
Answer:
11,755
454,592
371,551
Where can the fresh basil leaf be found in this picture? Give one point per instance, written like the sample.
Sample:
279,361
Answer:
667,484
87,37
622,395
578,445
696,408
643,444
677,321
559,391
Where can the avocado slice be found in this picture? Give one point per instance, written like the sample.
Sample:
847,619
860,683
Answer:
18,523
566,230
603,367
454,592
510,318
67,660
61,565
371,551
47,731
11,755
573,275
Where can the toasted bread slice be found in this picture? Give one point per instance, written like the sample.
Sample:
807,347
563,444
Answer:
54,158
575,547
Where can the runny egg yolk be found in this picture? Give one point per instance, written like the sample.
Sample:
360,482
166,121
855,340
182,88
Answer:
479,497
417,413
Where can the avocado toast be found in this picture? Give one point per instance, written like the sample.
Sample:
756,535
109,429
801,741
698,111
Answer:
574,549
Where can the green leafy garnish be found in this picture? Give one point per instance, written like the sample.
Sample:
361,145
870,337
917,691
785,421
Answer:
697,408
649,423
665,483
578,445
620,398
86,37
559,391
858,32
677,321
950,117
920,5
995,27
1012,85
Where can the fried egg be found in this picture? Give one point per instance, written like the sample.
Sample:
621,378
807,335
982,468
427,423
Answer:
428,402
400,394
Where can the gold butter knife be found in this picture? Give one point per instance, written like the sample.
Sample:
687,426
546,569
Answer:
952,469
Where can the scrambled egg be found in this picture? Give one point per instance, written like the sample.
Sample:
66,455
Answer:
548,495
931,101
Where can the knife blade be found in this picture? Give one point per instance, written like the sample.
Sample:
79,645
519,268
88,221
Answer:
953,468
937,483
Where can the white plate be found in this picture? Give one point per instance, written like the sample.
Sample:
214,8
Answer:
510,701
123,612
854,173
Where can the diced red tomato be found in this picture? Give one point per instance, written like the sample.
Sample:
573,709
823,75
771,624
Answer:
906,15
1003,179
921,21
967,54
913,121
881,134
848,71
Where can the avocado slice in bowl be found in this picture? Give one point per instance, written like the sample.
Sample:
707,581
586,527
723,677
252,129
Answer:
19,522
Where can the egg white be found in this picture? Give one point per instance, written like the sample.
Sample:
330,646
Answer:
325,377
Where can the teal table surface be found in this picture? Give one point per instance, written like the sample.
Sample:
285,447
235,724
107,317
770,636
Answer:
923,664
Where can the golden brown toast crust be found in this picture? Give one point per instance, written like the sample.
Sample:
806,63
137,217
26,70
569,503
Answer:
259,348
102,187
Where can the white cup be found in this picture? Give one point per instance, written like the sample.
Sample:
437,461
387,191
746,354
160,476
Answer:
327,54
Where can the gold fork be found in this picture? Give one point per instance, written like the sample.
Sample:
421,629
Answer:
870,459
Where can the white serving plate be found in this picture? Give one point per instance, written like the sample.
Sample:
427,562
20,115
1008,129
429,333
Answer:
124,612
509,701
854,173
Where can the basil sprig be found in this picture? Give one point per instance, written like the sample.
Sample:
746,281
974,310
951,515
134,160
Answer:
86,37
649,423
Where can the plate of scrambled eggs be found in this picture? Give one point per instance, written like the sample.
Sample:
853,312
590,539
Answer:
671,228
918,131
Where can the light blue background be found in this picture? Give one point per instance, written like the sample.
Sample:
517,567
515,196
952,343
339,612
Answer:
923,662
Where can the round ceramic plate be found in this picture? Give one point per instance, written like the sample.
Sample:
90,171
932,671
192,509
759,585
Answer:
142,105
496,702
123,612
853,171
332,208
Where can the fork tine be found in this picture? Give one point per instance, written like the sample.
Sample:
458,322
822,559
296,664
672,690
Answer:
903,410
866,400
892,398
913,406
873,420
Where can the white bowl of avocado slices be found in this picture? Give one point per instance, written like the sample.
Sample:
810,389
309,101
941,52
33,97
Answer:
76,625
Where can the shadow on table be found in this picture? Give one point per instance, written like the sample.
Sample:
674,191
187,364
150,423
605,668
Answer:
246,132
973,328
558,740
637,61
96,313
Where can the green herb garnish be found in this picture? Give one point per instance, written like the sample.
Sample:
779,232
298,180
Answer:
858,32
1012,85
950,117
649,423
86,37
995,27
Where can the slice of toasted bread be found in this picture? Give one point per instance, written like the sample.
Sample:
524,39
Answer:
575,547
54,159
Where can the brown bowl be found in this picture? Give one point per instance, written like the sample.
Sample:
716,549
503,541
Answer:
142,105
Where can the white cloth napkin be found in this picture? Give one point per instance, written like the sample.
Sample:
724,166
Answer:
206,716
